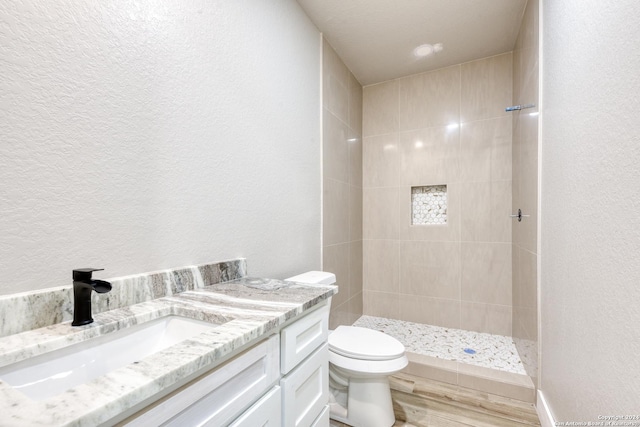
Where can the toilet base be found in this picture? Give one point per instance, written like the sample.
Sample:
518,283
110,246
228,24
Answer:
369,404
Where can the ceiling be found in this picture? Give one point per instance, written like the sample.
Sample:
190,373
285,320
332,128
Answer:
376,38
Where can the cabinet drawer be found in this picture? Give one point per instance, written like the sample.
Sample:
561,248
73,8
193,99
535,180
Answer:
218,397
300,339
323,418
305,391
266,412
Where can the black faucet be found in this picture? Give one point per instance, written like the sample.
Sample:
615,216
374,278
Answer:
83,284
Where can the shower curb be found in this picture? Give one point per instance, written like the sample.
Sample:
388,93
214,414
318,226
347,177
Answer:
501,383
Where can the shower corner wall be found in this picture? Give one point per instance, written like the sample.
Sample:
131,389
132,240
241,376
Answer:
342,185
525,190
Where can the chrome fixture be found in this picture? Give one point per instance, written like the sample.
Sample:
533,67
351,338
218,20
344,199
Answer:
519,107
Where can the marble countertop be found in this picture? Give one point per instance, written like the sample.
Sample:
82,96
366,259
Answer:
245,310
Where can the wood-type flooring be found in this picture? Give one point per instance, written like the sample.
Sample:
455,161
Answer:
419,402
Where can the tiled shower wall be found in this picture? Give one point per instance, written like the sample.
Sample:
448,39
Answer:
445,127
342,185
525,190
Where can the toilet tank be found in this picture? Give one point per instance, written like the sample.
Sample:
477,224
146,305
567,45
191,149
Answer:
314,277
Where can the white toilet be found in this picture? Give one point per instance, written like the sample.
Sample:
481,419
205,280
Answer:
360,361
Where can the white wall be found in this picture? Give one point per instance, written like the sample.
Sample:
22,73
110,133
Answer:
590,231
141,135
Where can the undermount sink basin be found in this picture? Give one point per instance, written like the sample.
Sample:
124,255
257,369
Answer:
52,373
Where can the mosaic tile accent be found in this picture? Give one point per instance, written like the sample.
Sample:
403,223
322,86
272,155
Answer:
491,351
429,205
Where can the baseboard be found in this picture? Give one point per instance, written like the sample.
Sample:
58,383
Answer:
546,419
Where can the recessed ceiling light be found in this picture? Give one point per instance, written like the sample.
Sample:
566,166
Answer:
427,49
423,50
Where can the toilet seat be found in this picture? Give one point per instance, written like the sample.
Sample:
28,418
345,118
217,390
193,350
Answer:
364,352
366,368
364,344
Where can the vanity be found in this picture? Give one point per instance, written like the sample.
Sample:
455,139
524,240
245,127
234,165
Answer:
238,352
280,381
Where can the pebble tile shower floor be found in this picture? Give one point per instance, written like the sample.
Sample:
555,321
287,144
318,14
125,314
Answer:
482,349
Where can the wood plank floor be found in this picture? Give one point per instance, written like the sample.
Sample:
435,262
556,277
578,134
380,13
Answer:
418,402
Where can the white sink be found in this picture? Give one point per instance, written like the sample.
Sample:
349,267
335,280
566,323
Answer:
52,373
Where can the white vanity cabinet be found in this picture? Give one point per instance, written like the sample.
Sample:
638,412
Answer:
302,397
267,412
304,363
303,394
281,381
217,398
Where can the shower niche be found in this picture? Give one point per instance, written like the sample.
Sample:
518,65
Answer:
429,205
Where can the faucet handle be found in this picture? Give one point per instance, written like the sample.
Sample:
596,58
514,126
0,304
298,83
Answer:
84,273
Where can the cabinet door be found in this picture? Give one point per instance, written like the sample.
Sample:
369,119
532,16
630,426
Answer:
266,412
300,339
305,391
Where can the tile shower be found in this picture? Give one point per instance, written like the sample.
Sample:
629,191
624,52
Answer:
444,127
441,269
437,194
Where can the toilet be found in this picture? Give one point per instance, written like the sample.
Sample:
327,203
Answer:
360,362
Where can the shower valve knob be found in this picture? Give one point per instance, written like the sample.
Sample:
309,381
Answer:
519,215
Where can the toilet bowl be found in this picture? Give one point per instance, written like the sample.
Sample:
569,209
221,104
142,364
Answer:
360,361
363,359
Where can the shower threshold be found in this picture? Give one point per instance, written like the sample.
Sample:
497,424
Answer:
475,360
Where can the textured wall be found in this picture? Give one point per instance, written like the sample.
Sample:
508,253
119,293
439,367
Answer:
138,136
445,127
590,307
525,190
342,186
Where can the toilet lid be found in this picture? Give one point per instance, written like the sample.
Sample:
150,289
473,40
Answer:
364,344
